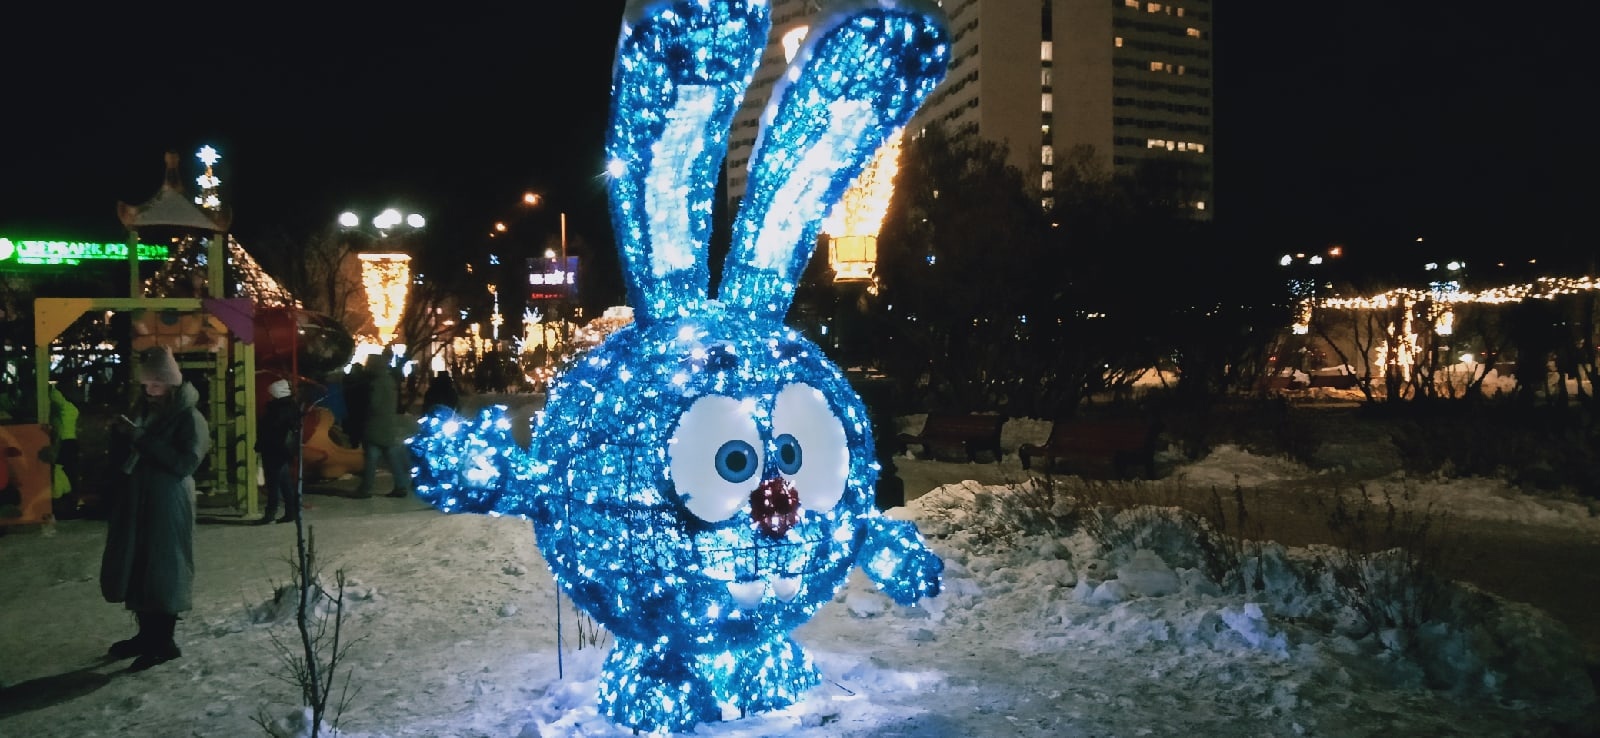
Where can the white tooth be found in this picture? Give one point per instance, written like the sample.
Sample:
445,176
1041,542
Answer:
747,594
785,588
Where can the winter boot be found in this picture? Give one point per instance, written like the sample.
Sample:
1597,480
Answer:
160,647
127,649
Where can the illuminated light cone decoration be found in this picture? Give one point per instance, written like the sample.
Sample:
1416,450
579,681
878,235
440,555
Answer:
386,277
701,482
853,225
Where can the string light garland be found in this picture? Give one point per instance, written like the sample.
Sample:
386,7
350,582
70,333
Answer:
1402,347
701,481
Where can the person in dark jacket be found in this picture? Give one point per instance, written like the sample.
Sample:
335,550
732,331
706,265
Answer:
356,391
384,436
278,440
148,563
441,391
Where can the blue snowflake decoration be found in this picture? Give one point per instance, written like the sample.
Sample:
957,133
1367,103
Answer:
701,482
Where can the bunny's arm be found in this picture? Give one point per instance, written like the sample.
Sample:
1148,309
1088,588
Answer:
894,556
472,466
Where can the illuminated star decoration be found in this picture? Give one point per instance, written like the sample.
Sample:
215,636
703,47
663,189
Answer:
209,182
701,482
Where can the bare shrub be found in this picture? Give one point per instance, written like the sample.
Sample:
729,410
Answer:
589,633
1045,505
1388,555
311,662
1181,537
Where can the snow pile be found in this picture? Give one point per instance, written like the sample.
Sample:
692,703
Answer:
1152,578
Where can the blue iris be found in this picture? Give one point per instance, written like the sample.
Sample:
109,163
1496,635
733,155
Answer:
788,454
736,460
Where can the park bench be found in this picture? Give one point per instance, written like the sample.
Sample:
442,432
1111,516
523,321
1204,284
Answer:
944,432
1097,447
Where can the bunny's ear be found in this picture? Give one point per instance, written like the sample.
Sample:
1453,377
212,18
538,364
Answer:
681,70
862,72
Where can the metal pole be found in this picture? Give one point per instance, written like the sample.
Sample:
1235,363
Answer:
566,277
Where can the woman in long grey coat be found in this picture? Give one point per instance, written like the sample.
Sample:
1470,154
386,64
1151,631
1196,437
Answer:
148,564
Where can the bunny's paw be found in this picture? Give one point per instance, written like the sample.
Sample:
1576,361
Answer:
470,466
897,559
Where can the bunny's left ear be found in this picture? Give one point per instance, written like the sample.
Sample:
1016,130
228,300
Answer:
680,72
863,71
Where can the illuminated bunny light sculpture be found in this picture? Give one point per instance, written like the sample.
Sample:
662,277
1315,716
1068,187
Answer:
701,482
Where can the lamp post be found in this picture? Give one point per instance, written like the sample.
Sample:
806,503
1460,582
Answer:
386,273
565,275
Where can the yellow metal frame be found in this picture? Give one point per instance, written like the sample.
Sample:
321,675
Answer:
232,410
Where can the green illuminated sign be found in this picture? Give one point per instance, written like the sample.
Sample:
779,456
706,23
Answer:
42,253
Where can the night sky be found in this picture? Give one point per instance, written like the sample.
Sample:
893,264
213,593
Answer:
1367,124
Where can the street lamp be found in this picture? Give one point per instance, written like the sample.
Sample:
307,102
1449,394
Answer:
1303,284
533,200
562,277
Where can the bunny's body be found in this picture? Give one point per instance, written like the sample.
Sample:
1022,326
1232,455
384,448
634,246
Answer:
701,482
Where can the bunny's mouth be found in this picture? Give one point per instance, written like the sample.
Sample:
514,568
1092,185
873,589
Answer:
761,571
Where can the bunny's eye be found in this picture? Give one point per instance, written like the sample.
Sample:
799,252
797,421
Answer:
787,455
811,449
714,454
736,461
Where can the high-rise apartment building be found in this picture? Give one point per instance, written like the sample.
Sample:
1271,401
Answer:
1130,78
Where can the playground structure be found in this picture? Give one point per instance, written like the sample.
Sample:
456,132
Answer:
214,336
224,358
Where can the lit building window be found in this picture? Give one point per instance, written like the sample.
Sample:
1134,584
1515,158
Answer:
1046,48
1047,102
1200,205
1047,181
1131,3
1047,155
1153,7
1180,69
1045,77
1117,42
1155,66
1193,32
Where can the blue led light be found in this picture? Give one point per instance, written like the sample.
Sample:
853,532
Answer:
701,482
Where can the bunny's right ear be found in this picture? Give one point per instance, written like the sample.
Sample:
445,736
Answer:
863,70
681,70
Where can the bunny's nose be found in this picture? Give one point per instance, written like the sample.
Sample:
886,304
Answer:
775,505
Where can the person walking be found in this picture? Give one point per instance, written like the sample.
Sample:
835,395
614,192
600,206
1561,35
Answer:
148,562
278,441
65,489
441,391
356,391
383,436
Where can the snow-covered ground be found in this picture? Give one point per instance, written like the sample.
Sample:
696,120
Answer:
453,622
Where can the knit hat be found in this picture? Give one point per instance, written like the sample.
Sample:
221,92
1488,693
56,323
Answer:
279,389
157,364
